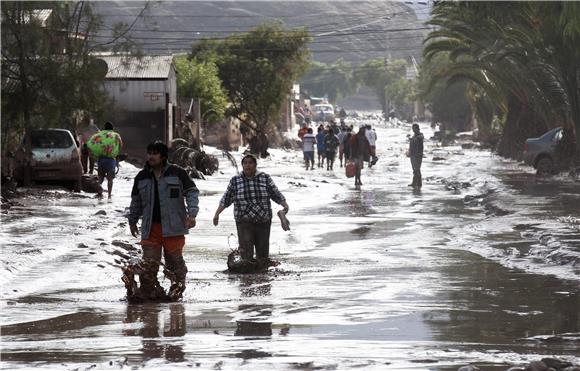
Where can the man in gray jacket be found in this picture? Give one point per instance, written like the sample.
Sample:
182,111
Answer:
416,155
158,197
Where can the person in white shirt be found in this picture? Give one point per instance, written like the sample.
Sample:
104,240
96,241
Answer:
308,142
371,135
341,137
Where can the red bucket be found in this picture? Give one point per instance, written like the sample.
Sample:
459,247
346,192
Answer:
350,169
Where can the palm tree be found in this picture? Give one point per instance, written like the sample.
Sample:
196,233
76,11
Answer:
527,71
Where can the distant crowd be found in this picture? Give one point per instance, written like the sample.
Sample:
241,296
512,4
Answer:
334,139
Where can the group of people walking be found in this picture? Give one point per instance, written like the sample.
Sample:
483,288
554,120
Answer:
166,199
356,148
333,139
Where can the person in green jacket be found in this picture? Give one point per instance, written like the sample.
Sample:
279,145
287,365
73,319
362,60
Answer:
105,146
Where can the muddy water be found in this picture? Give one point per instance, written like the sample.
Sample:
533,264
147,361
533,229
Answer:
479,267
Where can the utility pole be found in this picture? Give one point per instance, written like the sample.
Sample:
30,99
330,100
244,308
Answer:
198,127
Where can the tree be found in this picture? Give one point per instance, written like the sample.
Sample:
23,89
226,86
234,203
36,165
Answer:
200,80
334,80
387,80
257,70
49,74
522,56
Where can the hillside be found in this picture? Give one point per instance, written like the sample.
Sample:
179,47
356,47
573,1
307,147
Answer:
354,31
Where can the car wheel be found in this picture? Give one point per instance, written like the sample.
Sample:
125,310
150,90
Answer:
545,166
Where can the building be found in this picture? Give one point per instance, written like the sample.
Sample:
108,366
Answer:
144,94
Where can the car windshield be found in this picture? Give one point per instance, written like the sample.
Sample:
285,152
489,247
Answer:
50,139
324,108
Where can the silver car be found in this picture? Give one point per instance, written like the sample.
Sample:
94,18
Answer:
323,112
540,152
49,155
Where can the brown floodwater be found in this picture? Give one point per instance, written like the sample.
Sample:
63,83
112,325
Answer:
479,267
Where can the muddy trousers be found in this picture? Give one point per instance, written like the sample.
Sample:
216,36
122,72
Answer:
254,236
174,262
416,165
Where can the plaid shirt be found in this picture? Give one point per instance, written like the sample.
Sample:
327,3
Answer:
251,197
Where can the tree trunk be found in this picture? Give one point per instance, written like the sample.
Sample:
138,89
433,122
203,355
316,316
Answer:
521,123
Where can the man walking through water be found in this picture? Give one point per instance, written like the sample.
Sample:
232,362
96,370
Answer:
416,155
251,192
308,142
106,145
359,152
158,197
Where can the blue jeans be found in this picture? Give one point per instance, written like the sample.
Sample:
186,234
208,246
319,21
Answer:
107,167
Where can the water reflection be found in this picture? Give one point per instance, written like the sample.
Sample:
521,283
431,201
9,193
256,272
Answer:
254,325
252,285
251,328
362,203
149,316
496,305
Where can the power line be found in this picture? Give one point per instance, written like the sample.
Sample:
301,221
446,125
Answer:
319,14
189,42
245,35
314,27
314,51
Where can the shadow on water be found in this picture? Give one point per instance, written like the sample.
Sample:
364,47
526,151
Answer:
496,305
55,325
50,329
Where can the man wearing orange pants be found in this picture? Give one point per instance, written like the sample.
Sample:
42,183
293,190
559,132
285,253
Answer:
158,197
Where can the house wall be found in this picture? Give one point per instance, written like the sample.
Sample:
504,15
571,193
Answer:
138,129
141,95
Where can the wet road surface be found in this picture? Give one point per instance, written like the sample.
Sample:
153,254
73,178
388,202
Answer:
479,267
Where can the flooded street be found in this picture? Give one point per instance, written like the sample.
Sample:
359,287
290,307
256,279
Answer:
482,267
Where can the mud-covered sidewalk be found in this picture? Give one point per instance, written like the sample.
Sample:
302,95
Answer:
480,267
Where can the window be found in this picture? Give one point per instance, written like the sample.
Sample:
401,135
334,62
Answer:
50,139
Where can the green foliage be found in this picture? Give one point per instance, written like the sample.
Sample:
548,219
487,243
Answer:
49,76
522,56
388,81
333,81
257,70
200,80
446,98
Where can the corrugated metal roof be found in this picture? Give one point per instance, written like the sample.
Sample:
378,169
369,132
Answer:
147,67
40,15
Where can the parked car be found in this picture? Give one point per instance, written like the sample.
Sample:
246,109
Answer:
49,155
540,152
323,112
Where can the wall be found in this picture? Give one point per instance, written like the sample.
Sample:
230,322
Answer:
138,129
141,95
